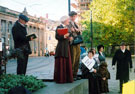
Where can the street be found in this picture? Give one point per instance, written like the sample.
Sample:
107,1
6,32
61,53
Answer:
40,67
43,67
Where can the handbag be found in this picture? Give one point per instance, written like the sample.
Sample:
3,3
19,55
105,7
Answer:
77,40
26,49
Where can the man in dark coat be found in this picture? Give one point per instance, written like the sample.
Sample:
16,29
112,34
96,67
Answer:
123,59
21,42
75,49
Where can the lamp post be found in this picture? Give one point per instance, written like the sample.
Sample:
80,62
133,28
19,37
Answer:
91,29
69,7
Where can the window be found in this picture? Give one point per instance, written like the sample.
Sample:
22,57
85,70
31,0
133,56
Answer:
9,27
49,37
3,26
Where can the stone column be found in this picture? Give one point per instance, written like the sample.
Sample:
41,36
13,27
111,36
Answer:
10,35
43,42
0,28
35,46
38,30
6,32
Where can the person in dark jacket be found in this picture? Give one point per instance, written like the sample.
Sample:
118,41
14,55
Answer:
19,90
104,75
20,41
75,49
91,75
101,56
63,65
123,60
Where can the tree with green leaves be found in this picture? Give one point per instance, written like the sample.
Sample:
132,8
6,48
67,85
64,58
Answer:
113,22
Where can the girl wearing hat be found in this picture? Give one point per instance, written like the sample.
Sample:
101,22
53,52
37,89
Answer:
63,66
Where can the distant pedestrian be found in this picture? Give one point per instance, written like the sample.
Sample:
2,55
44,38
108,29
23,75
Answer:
123,60
96,56
63,65
83,50
101,53
104,75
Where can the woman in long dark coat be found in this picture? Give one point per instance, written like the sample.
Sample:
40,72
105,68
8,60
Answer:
63,66
101,56
123,59
91,75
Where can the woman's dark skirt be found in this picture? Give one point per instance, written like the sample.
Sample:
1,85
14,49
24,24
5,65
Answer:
63,70
94,87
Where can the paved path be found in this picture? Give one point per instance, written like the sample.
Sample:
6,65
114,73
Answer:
43,68
114,84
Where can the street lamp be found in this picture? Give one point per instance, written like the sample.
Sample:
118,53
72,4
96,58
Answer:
91,29
69,7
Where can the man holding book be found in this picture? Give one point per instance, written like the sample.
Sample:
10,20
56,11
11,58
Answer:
21,41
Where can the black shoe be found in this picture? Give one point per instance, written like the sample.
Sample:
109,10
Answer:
78,78
120,92
75,79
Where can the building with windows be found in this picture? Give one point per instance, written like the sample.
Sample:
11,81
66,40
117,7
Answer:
50,41
36,25
80,6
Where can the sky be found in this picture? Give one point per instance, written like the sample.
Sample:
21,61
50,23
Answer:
54,8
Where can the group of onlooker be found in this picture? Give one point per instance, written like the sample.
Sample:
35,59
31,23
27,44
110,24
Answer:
67,59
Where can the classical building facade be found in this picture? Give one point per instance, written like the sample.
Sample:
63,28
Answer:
35,25
50,41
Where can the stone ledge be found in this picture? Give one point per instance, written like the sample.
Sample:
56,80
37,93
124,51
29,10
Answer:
77,87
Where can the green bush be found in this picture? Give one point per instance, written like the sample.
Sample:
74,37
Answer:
9,81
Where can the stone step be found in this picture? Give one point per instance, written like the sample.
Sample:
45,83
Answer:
77,87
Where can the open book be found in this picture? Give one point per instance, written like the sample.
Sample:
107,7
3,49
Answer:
31,36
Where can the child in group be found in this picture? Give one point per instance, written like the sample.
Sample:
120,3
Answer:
104,75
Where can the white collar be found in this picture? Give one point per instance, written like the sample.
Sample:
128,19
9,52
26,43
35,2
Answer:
101,53
96,55
63,25
21,24
91,58
123,51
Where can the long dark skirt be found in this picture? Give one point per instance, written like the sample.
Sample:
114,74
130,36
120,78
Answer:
93,85
63,70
